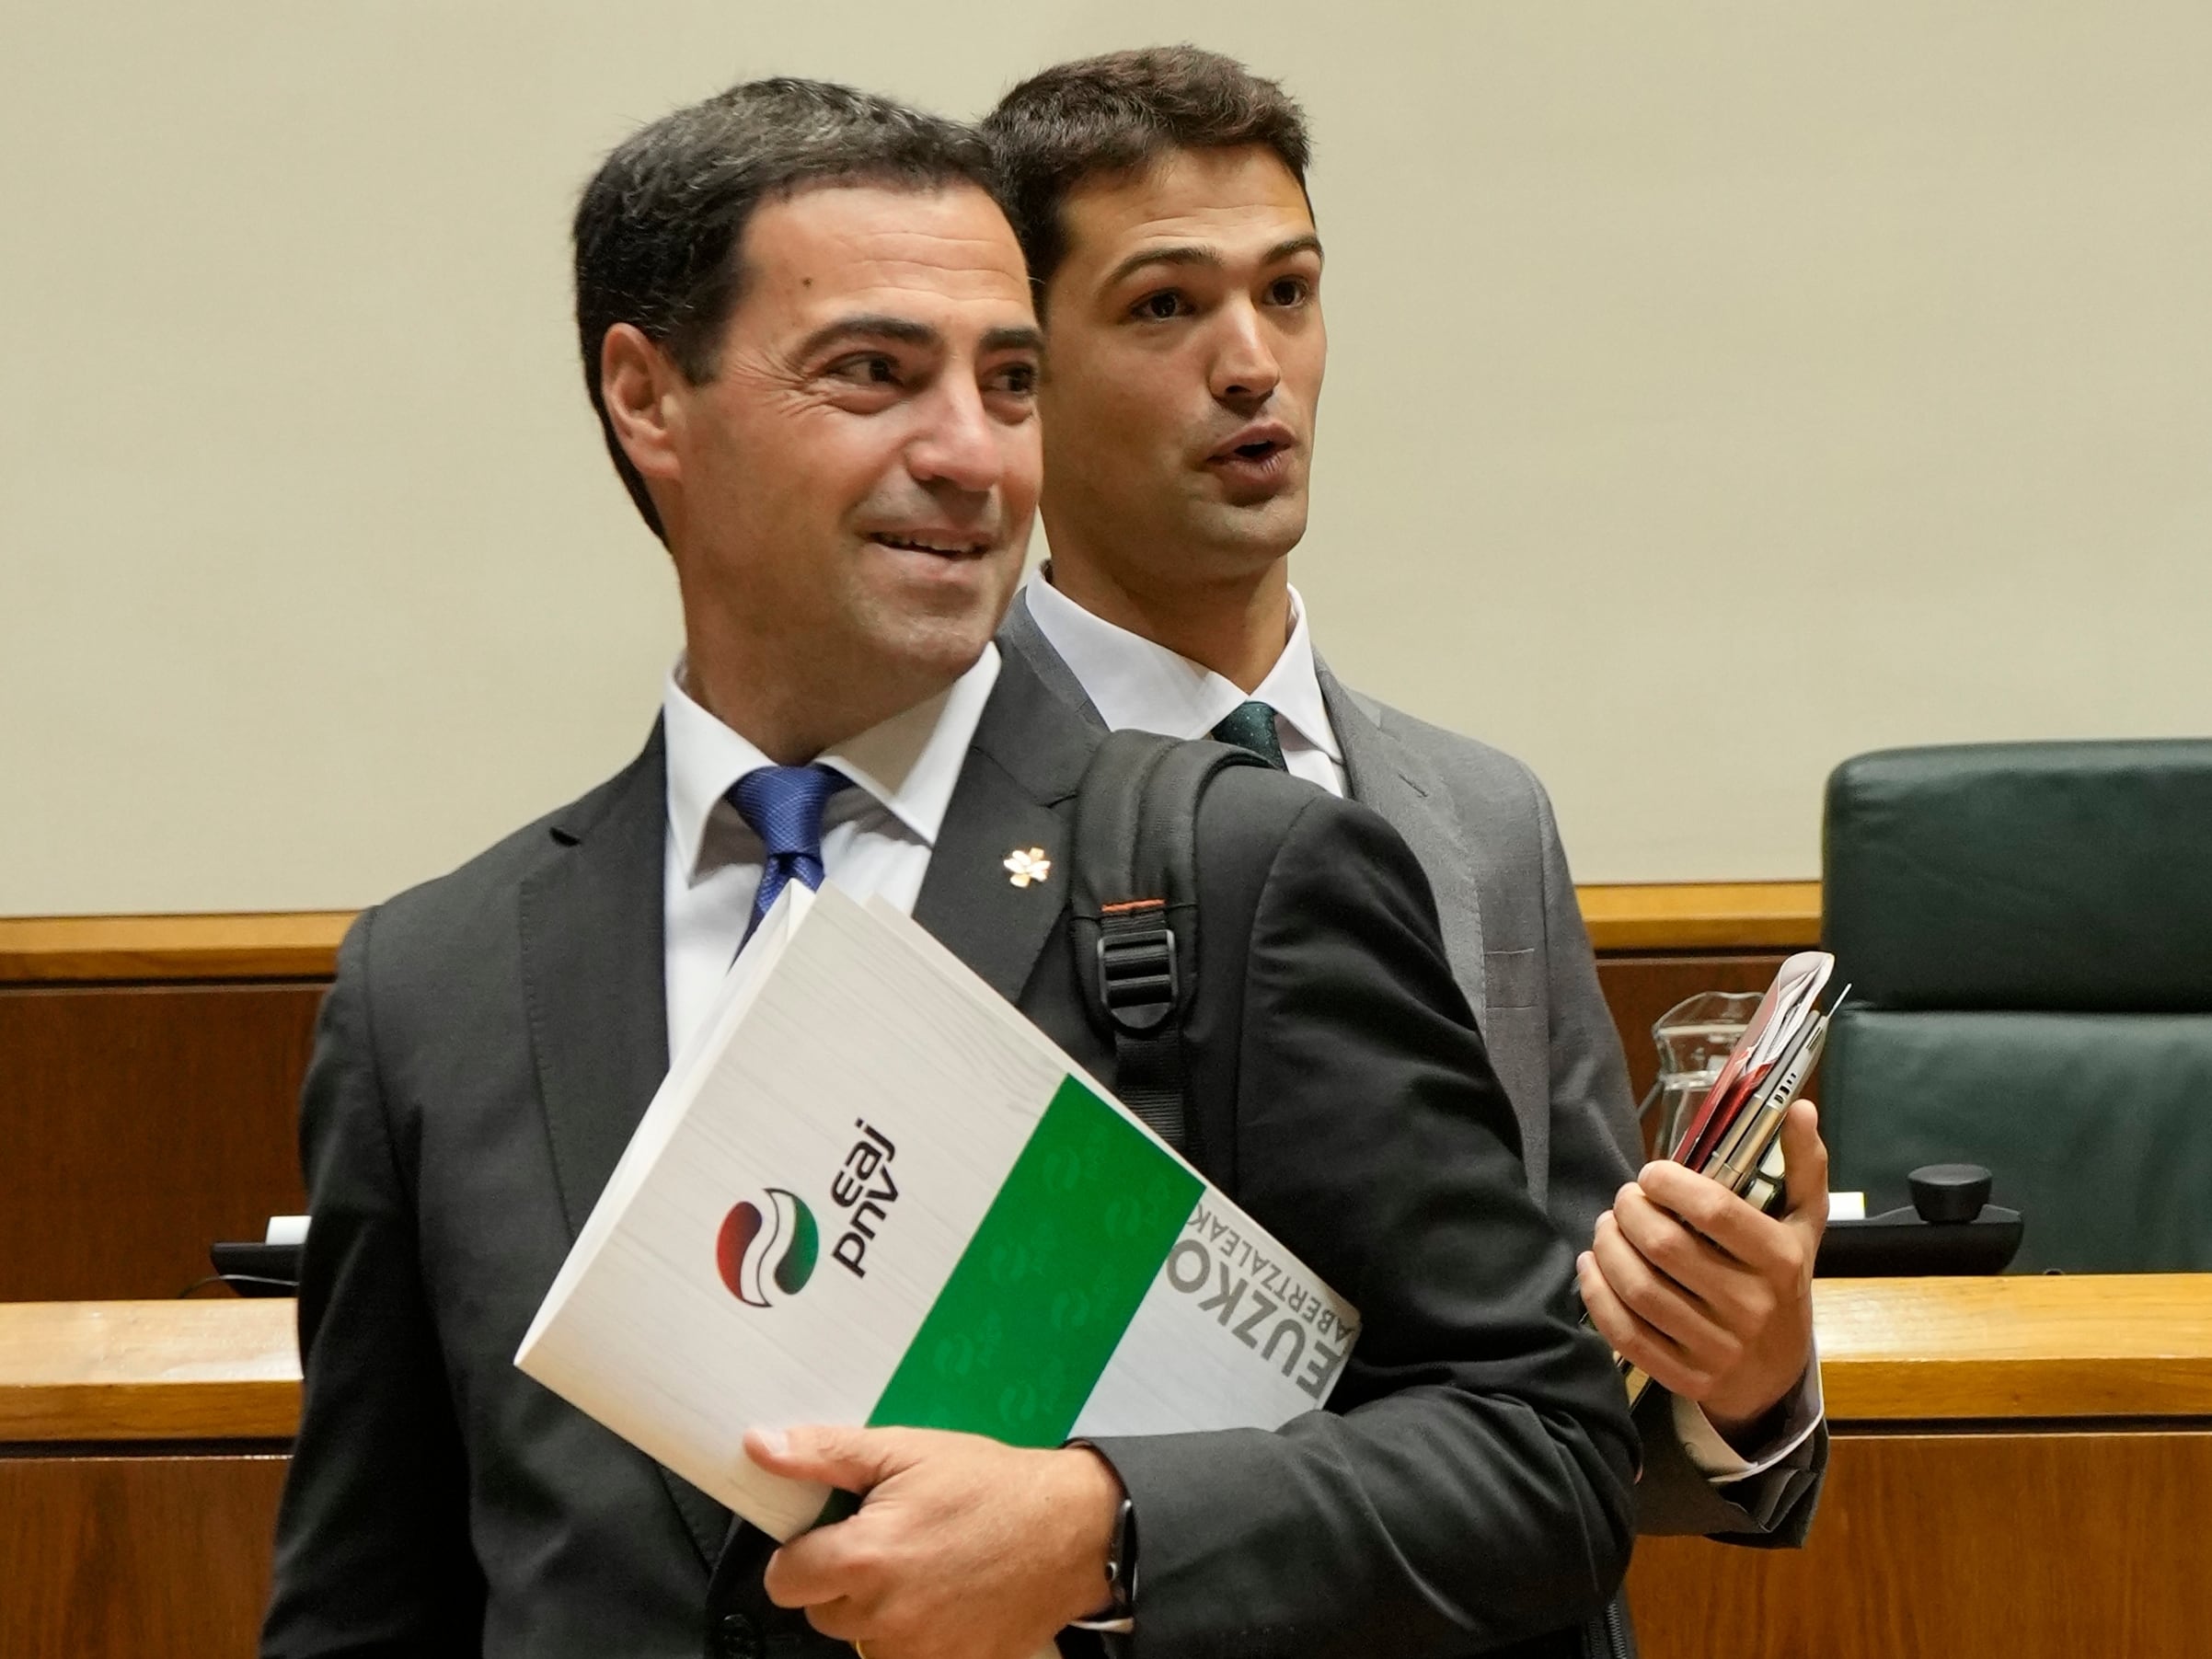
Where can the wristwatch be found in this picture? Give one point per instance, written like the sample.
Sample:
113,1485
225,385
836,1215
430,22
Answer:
1118,1617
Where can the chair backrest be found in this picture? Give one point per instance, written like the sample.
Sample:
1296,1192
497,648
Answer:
2028,931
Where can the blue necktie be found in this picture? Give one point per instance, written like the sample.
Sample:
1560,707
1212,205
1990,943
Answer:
784,805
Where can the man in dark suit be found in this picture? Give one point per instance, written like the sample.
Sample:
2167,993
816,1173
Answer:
1160,198
806,326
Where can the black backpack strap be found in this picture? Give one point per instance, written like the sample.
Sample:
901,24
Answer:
1134,910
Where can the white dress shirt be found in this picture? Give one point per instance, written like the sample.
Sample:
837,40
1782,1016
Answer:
1138,685
876,837
1137,682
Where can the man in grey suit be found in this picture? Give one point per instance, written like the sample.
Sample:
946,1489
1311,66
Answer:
1160,198
806,327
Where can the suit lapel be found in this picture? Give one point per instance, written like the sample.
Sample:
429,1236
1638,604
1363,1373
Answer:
1389,777
1018,635
1027,759
595,975
594,979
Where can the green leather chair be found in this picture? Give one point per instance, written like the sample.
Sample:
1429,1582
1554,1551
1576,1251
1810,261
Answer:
2028,931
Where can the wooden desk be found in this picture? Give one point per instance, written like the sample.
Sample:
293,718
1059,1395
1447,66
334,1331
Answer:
2021,1469
100,1372
142,1450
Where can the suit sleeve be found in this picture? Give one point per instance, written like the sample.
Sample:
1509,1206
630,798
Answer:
1467,1485
373,1555
1597,1147
1771,1509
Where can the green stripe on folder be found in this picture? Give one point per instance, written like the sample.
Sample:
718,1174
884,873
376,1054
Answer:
1023,1328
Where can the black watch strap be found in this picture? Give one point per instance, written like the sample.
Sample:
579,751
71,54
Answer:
1121,1576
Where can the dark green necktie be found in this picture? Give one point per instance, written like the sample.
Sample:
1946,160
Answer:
1253,726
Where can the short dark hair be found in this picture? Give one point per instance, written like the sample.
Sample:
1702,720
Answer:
1115,114
660,226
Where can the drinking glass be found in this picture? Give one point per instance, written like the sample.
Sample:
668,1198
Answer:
1694,1038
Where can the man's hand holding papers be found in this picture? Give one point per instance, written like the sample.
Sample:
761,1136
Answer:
963,1548
1711,1299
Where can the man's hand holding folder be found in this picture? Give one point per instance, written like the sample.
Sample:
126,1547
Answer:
942,1559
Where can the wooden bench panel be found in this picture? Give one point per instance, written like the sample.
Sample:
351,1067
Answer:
139,1124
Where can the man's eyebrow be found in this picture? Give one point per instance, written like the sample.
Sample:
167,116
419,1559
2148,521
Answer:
1201,253
1023,338
1185,253
904,330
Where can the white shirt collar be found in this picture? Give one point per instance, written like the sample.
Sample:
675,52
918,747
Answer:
1135,682
908,764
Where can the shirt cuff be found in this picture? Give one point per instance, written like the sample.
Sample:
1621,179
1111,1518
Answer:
1722,1463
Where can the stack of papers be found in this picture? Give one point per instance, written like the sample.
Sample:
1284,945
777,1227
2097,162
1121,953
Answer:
1736,1136
871,1193
1733,1136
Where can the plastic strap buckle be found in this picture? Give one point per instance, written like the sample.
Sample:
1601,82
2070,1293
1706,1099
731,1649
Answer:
1138,979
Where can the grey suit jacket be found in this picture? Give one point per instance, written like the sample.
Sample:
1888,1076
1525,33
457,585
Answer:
1480,825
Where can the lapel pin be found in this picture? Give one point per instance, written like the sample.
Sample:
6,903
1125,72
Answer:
1026,865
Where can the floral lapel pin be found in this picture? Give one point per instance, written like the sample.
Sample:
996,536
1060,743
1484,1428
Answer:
1024,865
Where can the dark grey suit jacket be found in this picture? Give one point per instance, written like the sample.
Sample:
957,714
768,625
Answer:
493,1037
1480,825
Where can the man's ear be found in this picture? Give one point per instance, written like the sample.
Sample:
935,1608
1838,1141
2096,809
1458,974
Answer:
639,386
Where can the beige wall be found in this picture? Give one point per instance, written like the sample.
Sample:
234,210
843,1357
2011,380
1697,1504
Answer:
1876,337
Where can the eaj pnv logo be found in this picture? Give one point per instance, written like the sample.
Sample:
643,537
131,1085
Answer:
767,1250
